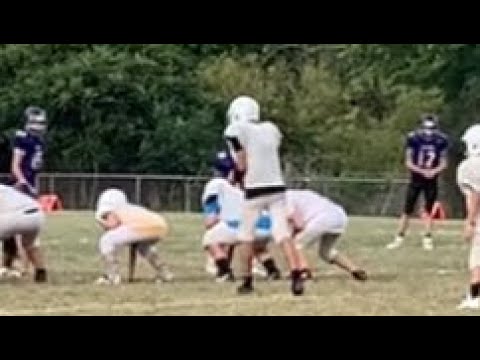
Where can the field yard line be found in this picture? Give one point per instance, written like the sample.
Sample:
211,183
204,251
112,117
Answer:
159,306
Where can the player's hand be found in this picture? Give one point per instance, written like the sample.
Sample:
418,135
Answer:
20,184
426,174
24,187
469,231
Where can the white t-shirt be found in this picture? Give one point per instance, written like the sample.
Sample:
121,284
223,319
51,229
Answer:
309,204
230,199
261,142
12,200
468,177
468,174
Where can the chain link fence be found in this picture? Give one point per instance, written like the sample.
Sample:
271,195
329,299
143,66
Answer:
360,196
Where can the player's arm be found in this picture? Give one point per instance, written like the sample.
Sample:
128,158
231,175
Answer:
442,166
235,139
240,157
295,219
109,221
443,163
17,158
211,211
410,164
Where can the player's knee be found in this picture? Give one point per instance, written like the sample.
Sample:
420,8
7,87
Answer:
146,249
429,207
328,253
259,246
106,245
208,239
282,236
299,245
474,261
409,210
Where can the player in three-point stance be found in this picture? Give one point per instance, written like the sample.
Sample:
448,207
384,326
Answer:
21,216
222,203
318,220
128,225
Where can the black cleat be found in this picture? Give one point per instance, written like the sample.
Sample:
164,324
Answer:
274,275
297,283
244,289
226,277
360,275
40,276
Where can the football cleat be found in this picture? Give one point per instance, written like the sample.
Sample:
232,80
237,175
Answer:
108,280
427,243
396,243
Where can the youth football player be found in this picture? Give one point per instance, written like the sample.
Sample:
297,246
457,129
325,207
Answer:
468,177
317,220
27,162
20,215
426,159
255,145
129,225
223,203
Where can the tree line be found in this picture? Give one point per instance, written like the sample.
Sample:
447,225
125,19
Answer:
344,109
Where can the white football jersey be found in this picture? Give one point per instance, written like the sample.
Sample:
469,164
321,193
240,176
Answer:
261,142
230,199
12,200
309,204
468,174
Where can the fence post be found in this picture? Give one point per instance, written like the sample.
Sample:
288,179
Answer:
138,189
187,203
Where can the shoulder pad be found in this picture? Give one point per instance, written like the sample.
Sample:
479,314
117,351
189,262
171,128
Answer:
412,134
443,136
21,133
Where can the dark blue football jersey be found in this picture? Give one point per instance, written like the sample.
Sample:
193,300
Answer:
33,148
427,151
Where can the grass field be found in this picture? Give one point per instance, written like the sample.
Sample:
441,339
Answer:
408,281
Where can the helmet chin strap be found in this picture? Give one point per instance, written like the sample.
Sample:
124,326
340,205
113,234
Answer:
36,130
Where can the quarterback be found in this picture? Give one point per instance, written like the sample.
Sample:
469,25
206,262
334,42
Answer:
255,146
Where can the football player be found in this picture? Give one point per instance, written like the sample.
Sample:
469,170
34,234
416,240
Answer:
21,215
317,220
255,146
223,203
27,162
468,178
426,159
125,225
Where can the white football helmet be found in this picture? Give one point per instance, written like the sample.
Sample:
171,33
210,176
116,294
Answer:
110,200
472,140
243,108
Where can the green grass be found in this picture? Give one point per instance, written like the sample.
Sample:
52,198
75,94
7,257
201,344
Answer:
408,281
